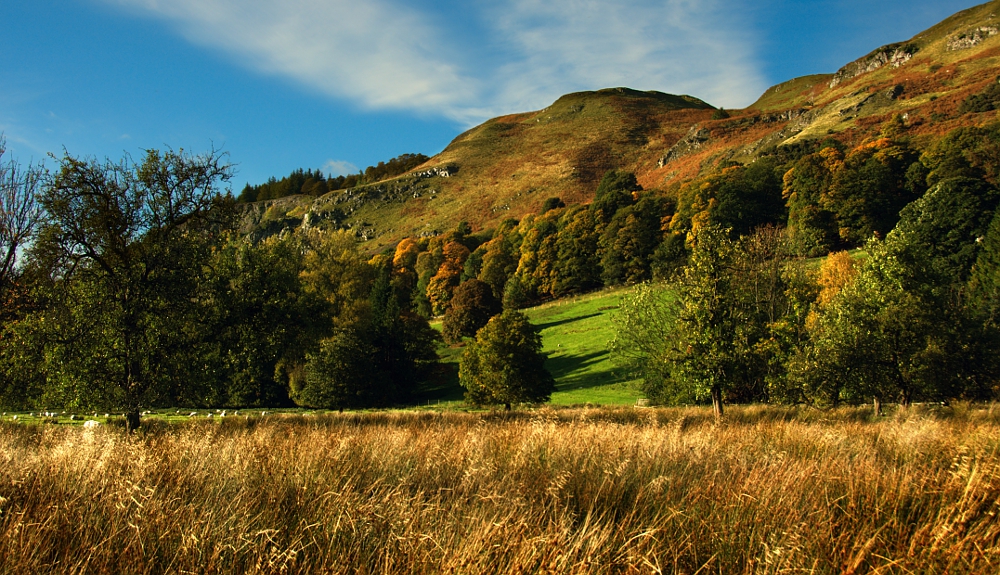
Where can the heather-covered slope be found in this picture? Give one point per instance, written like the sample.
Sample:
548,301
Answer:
508,166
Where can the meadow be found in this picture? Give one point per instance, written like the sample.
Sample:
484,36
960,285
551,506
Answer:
575,334
555,490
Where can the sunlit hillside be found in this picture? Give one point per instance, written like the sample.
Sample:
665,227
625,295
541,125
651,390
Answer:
508,166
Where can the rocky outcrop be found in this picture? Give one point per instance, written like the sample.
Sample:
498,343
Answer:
693,140
338,210
440,171
894,55
971,38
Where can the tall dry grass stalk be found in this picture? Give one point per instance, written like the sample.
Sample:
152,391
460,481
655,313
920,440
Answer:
574,491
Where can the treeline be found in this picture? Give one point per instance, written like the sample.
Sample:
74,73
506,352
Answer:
912,317
825,195
314,183
131,291
922,220
126,287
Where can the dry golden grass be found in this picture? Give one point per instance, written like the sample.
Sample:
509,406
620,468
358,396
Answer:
568,491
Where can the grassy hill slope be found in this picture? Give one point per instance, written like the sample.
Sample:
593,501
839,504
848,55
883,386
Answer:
508,166
575,335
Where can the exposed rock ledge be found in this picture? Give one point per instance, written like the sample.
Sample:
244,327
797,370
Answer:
971,38
894,55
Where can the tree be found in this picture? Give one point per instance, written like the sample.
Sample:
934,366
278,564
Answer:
720,333
870,188
812,228
124,245
907,327
472,305
505,364
501,256
19,216
443,283
576,269
260,319
614,192
375,358
629,242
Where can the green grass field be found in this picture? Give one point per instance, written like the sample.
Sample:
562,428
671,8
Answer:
575,335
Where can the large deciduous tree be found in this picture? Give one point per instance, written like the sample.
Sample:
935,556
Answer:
124,244
719,329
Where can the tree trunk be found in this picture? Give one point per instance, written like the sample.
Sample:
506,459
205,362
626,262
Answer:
878,407
506,407
131,420
717,401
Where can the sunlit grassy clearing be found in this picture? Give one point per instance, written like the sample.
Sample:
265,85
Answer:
575,335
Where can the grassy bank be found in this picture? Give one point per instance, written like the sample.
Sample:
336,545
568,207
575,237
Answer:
567,490
575,334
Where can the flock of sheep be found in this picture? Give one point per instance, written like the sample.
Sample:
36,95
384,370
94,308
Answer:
94,423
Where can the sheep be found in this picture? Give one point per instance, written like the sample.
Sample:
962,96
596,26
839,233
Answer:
91,423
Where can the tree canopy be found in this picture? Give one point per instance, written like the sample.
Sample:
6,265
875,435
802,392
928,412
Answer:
505,364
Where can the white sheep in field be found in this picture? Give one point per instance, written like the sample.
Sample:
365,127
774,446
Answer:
91,423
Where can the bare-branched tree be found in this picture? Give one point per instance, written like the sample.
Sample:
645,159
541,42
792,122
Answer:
19,214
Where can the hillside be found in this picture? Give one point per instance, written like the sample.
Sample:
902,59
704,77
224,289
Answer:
508,166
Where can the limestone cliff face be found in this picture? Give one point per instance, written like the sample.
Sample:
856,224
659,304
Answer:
894,55
972,38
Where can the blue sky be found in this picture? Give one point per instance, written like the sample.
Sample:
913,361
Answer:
341,84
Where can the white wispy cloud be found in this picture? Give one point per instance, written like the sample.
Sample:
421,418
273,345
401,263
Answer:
520,54
678,46
339,168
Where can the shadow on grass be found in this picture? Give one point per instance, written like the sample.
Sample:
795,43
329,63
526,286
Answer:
443,385
570,371
547,325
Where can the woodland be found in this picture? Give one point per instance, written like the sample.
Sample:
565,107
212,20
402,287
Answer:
819,274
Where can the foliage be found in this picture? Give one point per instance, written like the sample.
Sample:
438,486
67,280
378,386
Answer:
630,239
442,284
739,198
374,359
314,183
723,336
123,244
261,320
471,307
575,268
504,365
552,204
871,187
903,329
812,225
614,192
984,101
